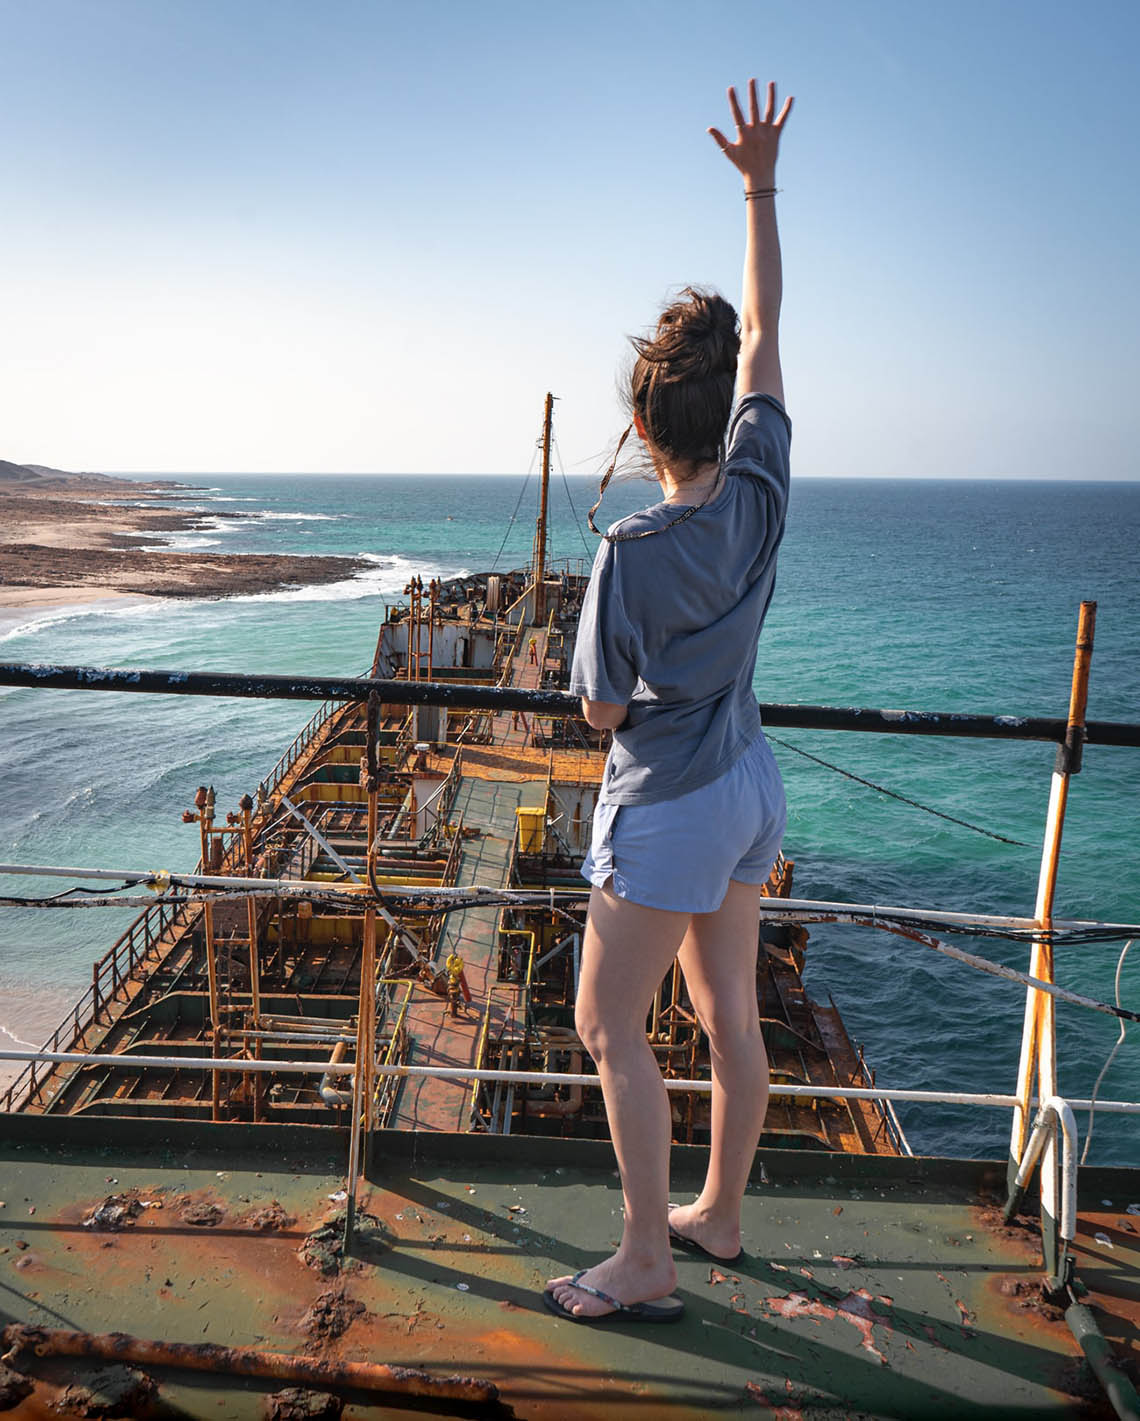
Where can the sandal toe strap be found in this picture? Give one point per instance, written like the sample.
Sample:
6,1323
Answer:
596,1292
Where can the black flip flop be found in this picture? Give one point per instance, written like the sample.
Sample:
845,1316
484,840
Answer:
623,1312
692,1246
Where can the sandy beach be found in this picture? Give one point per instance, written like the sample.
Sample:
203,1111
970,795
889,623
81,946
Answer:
63,541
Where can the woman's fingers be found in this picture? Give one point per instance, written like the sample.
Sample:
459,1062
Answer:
751,130
737,112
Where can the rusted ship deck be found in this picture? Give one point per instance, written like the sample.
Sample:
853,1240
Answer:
175,1205
871,1285
451,799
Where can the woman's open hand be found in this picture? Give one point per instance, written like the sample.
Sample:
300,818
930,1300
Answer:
758,139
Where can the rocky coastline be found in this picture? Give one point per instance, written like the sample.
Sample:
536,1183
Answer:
65,538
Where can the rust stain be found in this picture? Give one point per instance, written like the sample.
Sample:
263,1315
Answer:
854,1308
1022,1231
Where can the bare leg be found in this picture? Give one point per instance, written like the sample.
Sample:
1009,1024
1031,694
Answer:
718,958
626,951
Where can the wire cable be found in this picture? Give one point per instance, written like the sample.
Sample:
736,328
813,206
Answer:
570,501
1104,1069
902,798
413,904
518,505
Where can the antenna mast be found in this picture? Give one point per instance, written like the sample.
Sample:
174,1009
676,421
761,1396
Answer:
540,530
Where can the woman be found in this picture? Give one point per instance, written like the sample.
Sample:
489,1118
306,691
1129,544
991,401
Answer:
691,812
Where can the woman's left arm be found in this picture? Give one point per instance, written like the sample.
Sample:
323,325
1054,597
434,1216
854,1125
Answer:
604,715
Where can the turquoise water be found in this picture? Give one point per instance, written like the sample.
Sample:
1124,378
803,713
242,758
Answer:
945,596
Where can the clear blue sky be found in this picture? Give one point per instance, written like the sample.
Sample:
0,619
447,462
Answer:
265,235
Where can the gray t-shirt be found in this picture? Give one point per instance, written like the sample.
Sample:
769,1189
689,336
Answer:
670,623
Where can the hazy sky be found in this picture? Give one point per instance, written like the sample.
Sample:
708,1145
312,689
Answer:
244,235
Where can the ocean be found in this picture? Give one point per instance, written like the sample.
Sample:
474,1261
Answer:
954,595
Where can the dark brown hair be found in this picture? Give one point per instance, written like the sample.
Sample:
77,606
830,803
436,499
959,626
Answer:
683,379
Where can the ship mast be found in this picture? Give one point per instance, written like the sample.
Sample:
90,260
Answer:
540,529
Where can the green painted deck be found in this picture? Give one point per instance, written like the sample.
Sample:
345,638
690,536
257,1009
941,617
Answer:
872,1286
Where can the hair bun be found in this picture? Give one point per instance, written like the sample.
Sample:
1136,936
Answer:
696,336
683,378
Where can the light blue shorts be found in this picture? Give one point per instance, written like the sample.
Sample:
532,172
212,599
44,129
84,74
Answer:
680,854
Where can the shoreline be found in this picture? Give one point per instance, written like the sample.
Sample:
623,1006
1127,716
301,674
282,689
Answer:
62,542
25,607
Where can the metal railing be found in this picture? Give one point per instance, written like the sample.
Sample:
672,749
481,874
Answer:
109,978
459,695
301,742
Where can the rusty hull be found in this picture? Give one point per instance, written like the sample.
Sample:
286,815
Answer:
873,1286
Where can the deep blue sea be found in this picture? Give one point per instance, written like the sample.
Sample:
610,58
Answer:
945,596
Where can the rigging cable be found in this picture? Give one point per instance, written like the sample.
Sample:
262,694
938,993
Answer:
1116,1047
910,926
570,501
902,798
518,505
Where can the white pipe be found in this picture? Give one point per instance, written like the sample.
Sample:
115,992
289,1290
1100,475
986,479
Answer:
472,1074
435,794
1063,1112
324,843
1056,1104
558,946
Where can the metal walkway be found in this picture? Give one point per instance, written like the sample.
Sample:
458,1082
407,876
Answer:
436,1037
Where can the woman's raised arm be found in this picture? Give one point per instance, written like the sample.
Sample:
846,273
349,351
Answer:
754,155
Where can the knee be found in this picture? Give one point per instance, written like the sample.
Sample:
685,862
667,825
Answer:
730,1026
602,1033
590,1028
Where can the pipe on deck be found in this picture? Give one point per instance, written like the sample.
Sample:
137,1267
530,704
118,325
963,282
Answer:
328,1092
246,1362
1104,1362
571,1105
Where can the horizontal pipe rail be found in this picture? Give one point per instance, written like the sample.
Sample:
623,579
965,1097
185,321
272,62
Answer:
463,697
471,1073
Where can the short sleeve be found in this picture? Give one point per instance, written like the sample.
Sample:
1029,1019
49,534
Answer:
759,444
607,650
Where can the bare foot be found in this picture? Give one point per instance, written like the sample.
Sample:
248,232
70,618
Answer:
689,1221
622,1279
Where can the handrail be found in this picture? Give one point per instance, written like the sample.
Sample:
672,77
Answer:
301,742
459,1071
967,725
451,866
508,664
150,925
397,1027
480,1049
1062,1111
527,933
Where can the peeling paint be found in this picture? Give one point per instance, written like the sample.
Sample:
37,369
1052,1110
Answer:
854,1308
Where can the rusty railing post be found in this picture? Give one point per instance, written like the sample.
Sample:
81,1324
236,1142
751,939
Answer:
1038,1038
